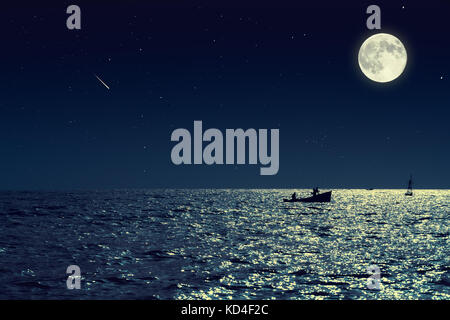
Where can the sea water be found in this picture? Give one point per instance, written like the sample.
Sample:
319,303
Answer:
224,244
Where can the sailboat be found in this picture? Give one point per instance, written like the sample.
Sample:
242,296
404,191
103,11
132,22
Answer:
409,192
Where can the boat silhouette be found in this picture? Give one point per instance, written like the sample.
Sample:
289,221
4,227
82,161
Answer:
321,197
409,192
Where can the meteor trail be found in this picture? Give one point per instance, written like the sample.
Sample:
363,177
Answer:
101,81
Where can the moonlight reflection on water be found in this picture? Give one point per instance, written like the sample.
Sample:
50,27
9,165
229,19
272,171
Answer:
223,244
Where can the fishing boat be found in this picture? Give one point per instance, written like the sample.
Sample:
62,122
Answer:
321,197
409,192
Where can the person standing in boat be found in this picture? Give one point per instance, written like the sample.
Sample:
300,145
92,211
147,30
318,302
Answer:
294,196
315,191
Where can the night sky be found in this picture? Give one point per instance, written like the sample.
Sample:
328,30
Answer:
247,64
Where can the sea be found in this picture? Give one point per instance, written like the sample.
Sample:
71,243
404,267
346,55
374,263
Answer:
224,244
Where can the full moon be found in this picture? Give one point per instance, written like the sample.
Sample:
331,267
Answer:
382,57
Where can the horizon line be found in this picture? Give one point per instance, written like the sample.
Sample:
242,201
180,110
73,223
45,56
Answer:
204,188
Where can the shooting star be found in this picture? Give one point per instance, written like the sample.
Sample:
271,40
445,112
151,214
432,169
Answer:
101,81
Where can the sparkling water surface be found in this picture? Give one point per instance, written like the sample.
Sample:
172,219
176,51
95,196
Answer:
224,244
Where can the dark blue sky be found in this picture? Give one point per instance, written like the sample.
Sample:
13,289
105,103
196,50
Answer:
258,64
